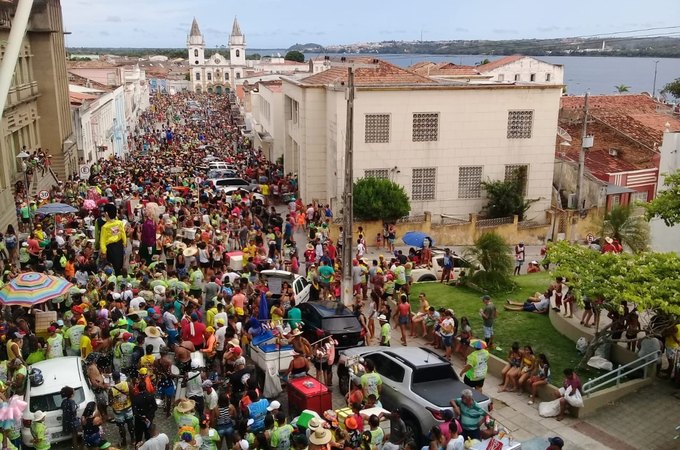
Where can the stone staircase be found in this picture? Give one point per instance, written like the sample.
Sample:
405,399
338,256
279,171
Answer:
41,182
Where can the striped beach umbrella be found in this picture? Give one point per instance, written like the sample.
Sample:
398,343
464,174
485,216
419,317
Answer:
33,288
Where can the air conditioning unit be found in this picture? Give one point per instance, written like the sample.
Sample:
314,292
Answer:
613,152
571,201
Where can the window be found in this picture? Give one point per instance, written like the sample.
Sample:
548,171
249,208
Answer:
238,75
377,128
532,77
198,76
470,182
616,199
226,75
520,124
209,75
387,368
638,197
547,77
238,53
518,172
377,173
501,77
196,53
196,62
423,183
425,127
516,77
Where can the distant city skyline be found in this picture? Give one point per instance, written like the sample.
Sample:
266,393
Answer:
279,23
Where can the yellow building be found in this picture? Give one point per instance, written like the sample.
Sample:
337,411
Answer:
37,111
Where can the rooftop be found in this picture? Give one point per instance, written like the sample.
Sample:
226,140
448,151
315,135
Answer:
89,65
493,65
272,85
384,73
443,69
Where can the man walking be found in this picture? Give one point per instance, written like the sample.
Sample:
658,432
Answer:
144,408
488,314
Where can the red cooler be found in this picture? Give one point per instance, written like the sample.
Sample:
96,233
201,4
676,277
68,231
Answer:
308,393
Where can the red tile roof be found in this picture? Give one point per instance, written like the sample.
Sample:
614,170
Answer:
636,115
78,98
631,155
443,69
272,85
493,65
385,73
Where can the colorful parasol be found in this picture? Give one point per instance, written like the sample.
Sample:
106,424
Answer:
33,288
478,344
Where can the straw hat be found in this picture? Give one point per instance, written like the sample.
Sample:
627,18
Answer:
153,332
296,332
321,436
179,245
38,415
191,251
185,405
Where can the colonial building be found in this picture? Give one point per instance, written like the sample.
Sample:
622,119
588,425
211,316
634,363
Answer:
523,69
439,139
36,113
217,73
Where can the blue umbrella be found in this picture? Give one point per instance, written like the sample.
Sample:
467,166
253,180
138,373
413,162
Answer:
416,239
264,308
55,208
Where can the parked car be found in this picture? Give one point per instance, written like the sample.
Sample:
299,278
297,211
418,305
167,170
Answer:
275,279
221,165
231,189
57,373
221,183
423,273
214,174
333,317
416,379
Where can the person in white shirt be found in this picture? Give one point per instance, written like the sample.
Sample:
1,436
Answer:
158,441
456,442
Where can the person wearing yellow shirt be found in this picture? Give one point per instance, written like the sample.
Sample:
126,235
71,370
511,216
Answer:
112,239
85,344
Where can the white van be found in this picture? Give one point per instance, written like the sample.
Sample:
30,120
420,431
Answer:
57,373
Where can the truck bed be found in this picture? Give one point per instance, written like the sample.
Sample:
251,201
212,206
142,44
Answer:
441,392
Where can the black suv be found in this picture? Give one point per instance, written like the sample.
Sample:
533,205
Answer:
334,317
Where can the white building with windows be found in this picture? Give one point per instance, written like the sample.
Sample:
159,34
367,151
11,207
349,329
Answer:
523,69
218,73
438,139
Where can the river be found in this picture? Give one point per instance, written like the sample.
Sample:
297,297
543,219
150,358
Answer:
596,74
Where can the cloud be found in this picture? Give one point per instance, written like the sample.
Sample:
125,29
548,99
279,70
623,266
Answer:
114,19
504,31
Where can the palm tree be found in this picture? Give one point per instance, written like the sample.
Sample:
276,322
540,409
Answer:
629,228
491,252
621,88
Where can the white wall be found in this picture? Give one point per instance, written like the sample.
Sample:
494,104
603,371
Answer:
267,114
667,239
527,66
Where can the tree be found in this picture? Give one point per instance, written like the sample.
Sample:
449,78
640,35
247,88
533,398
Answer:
506,198
672,88
482,62
295,55
491,253
380,199
630,229
666,204
621,88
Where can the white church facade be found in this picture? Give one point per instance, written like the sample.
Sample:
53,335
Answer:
216,74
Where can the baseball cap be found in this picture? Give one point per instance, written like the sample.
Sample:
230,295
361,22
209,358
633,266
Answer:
274,405
382,317
558,441
207,384
236,350
51,329
485,298
220,321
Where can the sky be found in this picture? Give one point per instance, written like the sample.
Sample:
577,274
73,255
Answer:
282,23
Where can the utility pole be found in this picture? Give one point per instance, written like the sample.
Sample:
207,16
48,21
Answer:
586,143
348,191
656,65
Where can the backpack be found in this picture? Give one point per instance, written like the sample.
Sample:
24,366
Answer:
11,241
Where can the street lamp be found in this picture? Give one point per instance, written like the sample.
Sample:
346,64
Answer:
23,156
656,65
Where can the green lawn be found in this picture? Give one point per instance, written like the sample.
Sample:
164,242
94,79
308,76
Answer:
523,327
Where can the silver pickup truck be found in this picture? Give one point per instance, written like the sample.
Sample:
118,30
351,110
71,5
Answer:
416,379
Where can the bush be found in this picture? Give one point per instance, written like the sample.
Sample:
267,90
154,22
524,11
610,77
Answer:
380,199
491,282
491,253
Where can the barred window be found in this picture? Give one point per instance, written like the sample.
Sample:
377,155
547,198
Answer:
377,128
520,124
425,127
519,173
424,183
376,173
470,182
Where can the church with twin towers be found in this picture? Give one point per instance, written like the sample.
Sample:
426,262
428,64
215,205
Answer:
216,74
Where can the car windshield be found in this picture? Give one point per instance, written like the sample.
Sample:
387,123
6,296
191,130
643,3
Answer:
340,324
52,401
433,373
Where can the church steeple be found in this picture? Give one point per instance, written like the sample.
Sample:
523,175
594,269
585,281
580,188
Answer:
195,36
236,29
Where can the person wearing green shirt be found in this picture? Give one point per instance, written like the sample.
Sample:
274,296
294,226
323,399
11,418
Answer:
184,415
476,366
39,431
280,436
72,337
294,315
196,280
209,436
371,381
470,415
385,330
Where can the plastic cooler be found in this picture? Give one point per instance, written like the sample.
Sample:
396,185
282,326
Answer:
308,393
266,356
